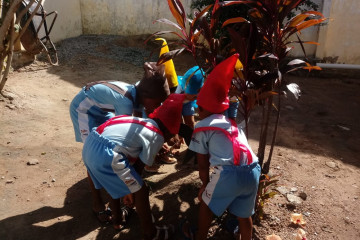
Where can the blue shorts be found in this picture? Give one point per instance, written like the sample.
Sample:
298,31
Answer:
189,108
109,169
233,188
231,112
85,115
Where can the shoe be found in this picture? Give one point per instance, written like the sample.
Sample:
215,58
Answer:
104,216
151,169
168,159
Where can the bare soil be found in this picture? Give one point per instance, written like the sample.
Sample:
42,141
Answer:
316,154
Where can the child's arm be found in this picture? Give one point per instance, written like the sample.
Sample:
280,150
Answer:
204,165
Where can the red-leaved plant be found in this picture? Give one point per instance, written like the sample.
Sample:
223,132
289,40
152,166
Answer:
261,38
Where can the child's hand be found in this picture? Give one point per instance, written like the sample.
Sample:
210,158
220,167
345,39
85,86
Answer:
128,200
164,150
201,190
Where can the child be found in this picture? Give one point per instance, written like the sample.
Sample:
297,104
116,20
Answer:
219,144
98,101
108,150
190,85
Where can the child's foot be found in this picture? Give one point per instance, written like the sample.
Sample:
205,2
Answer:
187,231
168,159
164,233
103,216
119,222
151,169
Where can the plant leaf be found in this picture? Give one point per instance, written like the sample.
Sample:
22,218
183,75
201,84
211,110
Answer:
167,21
201,14
294,89
169,55
162,33
178,12
233,20
269,55
295,62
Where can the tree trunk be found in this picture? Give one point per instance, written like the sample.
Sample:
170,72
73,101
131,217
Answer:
266,167
264,129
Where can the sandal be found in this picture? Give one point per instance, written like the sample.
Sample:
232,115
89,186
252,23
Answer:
164,233
168,159
151,169
232,226
104,216
187,231
126,212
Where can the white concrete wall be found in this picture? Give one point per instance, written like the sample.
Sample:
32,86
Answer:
68,23
125,17
341,36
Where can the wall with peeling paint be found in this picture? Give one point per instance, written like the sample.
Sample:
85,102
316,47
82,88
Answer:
68,23
340,38
125,17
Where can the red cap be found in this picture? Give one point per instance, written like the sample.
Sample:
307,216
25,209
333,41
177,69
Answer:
213,96
169,113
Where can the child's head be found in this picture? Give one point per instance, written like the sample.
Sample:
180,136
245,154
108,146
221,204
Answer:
203,113
153,89
191,82
169,114
213,96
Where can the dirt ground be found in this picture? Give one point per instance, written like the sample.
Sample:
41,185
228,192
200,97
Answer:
316,155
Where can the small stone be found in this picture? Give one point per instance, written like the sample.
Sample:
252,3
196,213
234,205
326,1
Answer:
303,195
44,182
293,199
330,176
282,190
356,197
307,214
28,200
43,153
2,177
33,162
293,189
53,180
326,229
331,164
347,220
9,181
64,99
10,106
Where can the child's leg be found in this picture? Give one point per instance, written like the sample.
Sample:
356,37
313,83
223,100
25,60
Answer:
97,203
245,228
116,213
205,219
142,205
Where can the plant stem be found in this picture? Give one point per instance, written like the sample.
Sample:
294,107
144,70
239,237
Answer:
266,167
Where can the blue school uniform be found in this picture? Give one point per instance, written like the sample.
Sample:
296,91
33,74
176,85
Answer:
106,154
231,186
95,105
